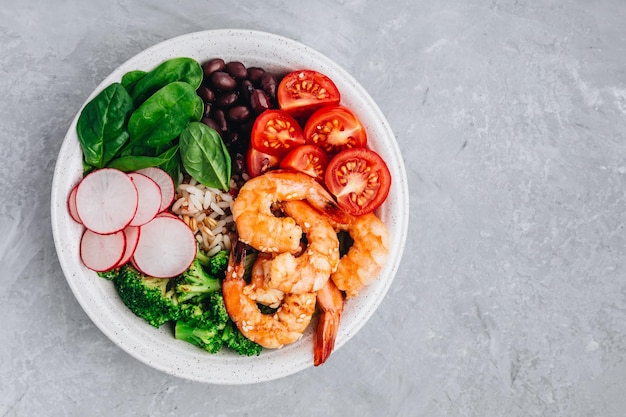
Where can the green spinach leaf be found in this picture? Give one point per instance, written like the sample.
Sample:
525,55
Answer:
205,156
101,125
164,115
136,162
176,69
131,78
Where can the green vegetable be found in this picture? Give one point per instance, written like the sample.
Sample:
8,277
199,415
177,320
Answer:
131,78
128,163
183,69
101,125
165,114
205,156
216,264
195,283
202,324
206,324
152,299
235,340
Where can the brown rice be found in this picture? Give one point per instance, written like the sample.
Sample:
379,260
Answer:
207,211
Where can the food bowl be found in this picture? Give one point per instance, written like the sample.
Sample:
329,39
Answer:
157,347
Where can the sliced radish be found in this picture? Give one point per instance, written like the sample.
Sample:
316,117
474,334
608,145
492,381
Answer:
149,198
102,252
106,200
165,182
165,249
71,205
131,233
168,214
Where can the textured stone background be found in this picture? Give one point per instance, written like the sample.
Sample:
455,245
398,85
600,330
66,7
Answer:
511,299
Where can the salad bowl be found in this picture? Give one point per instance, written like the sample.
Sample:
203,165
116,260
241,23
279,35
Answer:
157,347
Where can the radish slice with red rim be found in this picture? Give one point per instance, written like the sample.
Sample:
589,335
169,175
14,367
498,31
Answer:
131,233
106,200
165,182
149,198
71,205
165,249
102,252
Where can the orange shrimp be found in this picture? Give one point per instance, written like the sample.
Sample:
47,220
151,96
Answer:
271,331
367,255
310,270
330,301
252,209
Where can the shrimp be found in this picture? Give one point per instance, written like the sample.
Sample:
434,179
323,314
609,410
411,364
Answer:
270,331
309,271
364,260
252,209
258,288
330,301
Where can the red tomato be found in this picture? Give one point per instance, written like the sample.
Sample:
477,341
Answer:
275,132
359,179
258,162
335,128
300,93
310,159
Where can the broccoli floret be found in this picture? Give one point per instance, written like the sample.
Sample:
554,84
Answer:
235,340
200,324
152,299
207,325
195,283
110,274
218,263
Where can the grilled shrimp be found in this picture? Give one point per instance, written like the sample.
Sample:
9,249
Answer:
310,270
365,259
258,289
330,301
270,331
252,209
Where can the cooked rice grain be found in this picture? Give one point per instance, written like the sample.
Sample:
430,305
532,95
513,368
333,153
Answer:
207,211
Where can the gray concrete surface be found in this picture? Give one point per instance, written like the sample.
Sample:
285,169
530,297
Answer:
511,299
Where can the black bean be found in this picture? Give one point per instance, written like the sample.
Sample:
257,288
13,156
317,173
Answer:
226,99
259,101
238,163
206,93
215,64
238,114
207,109
268,84
237,70
223,81
211,123
255,74
245,90
220,119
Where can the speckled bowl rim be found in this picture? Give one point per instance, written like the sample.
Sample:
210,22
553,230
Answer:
157,347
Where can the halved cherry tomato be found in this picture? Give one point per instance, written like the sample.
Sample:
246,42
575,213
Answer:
359,179
335,128
302,92
310,159
258,162
275,132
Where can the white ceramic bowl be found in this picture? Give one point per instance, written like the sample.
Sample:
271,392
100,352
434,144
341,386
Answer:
157,347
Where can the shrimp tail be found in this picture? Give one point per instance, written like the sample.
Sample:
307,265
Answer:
330,300
325,336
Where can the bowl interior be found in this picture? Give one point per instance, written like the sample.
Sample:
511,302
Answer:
157,347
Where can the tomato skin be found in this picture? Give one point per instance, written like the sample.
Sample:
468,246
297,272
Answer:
359,179
302,92
258,162
335,128
276,132
309,159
